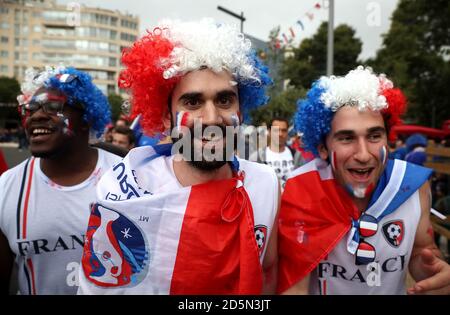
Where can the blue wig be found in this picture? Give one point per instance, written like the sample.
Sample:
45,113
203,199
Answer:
82,90
313,118
252,93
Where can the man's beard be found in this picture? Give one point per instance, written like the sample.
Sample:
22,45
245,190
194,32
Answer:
205,164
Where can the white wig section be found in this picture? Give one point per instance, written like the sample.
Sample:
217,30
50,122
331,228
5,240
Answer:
34,79
360,87
206,43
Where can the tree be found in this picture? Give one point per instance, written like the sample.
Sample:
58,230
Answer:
415,55
9,90
115,101
281,105
310,59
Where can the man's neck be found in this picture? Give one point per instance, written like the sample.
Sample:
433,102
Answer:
277,148
188,175
72,167
361,203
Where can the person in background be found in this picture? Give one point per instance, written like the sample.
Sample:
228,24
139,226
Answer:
415,147
123,137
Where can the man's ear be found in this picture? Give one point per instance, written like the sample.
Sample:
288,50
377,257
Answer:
323,151
167,120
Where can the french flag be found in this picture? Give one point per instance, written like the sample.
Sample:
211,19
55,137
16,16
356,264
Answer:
183,240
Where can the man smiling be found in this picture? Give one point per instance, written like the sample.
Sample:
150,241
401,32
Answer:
352,221
187,218
44,201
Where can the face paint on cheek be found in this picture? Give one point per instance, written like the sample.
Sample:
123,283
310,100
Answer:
67,128
383,155
332,158
182,120
235,119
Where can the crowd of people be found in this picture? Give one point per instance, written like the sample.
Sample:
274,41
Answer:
94,211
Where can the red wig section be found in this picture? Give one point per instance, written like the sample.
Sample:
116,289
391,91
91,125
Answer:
396,108
144,65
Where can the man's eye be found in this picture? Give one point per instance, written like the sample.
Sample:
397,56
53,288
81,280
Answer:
345,138
192,102
225,100
375,137
54,106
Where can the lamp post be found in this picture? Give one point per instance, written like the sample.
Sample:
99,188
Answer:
240,17
330,47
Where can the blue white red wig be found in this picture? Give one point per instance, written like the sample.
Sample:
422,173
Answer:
77,86
360,88
157,61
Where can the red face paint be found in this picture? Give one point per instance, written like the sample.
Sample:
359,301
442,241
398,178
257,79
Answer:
430,231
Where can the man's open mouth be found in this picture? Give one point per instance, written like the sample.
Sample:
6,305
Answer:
361,174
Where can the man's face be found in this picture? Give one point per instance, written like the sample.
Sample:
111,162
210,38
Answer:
207,99
279,133
50,132
357,149
121,140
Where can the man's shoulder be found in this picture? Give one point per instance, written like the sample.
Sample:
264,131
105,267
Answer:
256,169
14,173
108,158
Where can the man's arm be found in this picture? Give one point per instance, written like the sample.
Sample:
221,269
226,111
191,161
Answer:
426,265
300,288
6,263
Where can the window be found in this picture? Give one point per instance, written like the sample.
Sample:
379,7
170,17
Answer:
37,28
4,39
4,68
4,11
4,54
4,25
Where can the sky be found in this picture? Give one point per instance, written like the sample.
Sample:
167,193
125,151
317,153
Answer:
370,18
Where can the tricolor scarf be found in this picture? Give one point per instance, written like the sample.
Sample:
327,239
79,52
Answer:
316,212
192,240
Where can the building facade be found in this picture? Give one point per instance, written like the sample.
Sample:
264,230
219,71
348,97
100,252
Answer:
35,33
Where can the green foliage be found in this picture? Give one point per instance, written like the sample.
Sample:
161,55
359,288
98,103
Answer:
415,55
115,101
9,90
309,61
281,105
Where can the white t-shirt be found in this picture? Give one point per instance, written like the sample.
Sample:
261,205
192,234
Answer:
338,274
281,162
45,224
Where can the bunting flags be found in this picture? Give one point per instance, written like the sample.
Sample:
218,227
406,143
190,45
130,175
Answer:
288,37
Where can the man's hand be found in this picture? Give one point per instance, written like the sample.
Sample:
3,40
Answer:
437,273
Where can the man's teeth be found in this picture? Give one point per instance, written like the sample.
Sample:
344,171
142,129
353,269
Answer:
361,171
41,131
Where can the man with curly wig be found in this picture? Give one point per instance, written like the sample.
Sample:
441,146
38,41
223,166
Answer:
44,201
353,221
187,217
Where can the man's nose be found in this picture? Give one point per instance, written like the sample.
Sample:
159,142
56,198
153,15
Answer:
362,153
210,114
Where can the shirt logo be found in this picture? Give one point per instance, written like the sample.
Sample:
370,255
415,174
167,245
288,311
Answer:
116,252
393,232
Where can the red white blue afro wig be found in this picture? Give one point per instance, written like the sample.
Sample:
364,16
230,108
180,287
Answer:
157,61
360,88
77,86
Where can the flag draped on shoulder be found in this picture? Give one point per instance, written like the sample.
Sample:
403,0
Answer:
188,240
316,213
